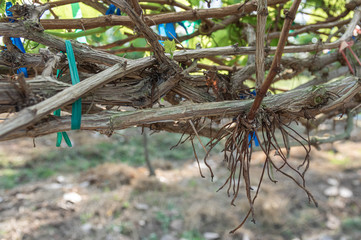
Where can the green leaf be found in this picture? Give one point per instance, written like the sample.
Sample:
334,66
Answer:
194,3
2,6
169,47
64,11
87,11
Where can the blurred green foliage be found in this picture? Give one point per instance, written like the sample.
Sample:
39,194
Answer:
351,224
192,235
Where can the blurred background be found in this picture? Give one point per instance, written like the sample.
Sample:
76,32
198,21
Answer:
101,189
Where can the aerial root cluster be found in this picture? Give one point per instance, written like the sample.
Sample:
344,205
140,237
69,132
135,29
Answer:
274,140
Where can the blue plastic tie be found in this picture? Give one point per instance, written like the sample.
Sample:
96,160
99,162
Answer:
161,42
167,30
252,135
161,30
9,13
170,31
244,96
76,107
16,41
111,10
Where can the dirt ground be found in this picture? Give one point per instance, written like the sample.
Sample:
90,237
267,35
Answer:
117,201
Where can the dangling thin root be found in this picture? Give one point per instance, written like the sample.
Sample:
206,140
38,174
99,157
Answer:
239,136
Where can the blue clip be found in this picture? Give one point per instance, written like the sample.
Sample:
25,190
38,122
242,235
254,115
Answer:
16,41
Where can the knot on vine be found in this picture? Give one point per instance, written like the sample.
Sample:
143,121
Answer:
321,96
288,14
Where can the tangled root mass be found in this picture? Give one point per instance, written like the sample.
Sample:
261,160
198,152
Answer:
274,136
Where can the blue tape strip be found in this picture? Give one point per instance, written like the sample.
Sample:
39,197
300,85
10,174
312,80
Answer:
16,41
161,29
112,9
9,13
167,30
252,135
170,31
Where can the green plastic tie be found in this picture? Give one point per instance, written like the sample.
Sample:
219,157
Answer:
60,135
76,107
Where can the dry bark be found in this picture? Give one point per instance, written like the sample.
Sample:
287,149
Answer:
306,102
261,93
34,113
262,14
160,76
113,20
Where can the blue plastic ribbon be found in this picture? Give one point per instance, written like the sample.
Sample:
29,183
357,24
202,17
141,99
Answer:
112,9
244,96
16,41
252,135
170,31
167,30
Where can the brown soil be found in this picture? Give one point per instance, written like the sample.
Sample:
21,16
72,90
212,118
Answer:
116,201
